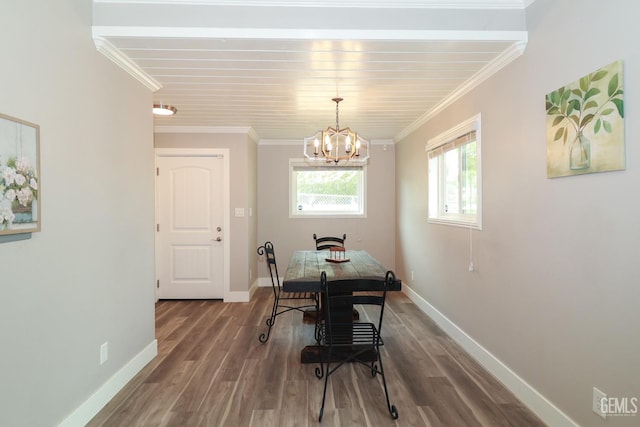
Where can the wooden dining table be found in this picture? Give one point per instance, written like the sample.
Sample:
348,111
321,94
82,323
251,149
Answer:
303,275
305,267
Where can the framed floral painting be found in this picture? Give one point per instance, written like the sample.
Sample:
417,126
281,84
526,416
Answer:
20,209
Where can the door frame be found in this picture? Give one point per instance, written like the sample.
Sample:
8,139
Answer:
199,152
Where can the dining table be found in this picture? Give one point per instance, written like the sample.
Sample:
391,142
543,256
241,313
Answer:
303,275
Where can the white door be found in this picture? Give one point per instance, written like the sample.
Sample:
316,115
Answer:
190,227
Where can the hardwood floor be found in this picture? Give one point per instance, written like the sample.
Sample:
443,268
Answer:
211,370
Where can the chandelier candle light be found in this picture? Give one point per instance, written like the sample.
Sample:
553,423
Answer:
335,144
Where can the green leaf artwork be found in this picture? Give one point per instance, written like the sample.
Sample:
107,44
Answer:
585,124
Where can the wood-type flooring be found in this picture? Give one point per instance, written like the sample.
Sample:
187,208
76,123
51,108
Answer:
211,370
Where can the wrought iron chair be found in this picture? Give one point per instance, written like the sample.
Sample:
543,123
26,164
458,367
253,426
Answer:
323,243
284,302
347,341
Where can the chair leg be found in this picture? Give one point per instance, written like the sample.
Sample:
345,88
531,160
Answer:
320,370
393,411
264,337
316,332
326,381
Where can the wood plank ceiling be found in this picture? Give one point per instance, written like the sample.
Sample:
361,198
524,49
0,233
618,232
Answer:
270,68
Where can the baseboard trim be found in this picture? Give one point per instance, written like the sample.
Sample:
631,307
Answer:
535,401
85,412
253,288
237,296
265,282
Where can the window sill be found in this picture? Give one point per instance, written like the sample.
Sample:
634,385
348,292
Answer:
456,223
328,215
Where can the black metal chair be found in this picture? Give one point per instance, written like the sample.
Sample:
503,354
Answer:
284,302
348,341
323,243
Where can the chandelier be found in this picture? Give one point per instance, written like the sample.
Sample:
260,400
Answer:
335,144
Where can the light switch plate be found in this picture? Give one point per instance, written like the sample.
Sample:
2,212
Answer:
104,353
597,402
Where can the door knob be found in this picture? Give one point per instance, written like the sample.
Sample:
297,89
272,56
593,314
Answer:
218,239
219,229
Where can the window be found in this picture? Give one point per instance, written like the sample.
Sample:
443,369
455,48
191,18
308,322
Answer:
455,176
325,190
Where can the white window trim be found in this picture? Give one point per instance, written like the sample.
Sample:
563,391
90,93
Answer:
472,124
293,211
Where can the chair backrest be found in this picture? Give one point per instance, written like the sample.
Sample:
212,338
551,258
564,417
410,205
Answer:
270,258
323,243
364,291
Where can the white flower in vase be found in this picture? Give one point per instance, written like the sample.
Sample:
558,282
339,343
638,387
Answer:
25,196
9,175
10,195
22,164
6,216
20,179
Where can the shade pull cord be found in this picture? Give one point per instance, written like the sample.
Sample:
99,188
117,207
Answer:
470,245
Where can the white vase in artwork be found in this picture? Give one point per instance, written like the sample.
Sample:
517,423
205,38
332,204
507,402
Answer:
34,210
580,153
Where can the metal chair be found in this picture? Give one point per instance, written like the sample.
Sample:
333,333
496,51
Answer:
347,341
323,243
283,302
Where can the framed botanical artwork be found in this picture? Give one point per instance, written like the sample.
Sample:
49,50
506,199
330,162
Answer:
20,209
585,124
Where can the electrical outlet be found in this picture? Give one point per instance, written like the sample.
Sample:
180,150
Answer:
104,353
598,397
471,267
412,275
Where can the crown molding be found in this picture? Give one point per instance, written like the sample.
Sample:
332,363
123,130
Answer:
253,135
249,131
290,142
501,61
114,54
373,4
305,33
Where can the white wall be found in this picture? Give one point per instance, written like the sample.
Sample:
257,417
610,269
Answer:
88,276
555,296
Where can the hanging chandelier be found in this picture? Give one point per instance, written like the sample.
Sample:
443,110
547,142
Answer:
335,144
